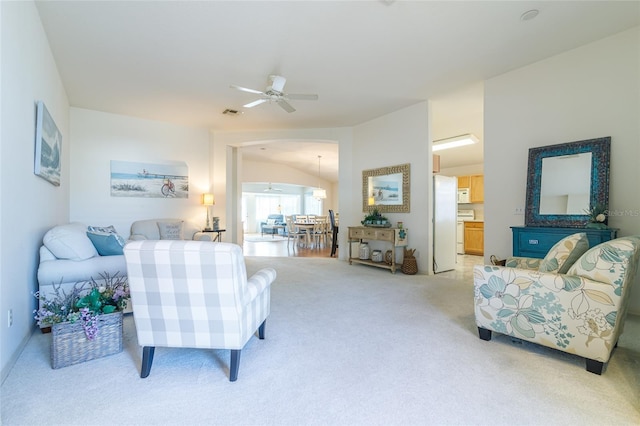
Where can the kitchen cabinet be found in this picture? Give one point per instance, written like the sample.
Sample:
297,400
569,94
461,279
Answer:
474,238
475,183
477,188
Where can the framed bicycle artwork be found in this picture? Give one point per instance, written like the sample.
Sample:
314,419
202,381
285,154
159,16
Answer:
168,179
48,146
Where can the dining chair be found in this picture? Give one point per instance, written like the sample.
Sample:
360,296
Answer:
320,230
334,232
293,233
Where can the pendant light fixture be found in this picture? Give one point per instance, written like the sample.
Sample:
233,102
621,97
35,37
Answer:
319,193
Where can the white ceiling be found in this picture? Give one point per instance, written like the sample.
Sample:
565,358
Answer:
174,61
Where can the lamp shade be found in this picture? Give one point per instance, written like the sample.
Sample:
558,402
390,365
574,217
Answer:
208,200
319,193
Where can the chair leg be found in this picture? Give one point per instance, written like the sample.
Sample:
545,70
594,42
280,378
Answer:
235,365
147,360
484,333
594,366
334,242
261,329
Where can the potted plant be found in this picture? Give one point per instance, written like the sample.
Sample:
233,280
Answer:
375,218
86,321
597,217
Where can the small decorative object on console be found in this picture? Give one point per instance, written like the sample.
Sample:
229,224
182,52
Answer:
376,220
597,217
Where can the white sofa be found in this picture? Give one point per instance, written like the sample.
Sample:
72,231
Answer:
160,229
68,256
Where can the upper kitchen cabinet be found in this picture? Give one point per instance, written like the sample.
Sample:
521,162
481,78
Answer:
475,183
477,188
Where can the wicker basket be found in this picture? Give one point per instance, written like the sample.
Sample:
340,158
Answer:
69,344
409,265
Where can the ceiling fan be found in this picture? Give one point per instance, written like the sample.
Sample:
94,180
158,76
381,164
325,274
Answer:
272,189
274,93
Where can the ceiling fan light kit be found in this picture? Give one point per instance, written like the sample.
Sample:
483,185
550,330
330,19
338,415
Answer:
274,94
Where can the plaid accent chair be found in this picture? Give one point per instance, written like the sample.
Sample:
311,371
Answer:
195,294
581,311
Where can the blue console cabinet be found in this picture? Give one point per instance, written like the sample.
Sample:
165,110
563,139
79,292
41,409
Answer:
532,241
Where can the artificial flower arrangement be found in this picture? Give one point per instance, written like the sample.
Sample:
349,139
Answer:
597,217
84,302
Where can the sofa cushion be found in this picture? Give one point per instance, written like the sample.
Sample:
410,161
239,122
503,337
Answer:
106,244
69,242
564,253
170,230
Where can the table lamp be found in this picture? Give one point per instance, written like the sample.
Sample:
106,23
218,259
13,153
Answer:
208,200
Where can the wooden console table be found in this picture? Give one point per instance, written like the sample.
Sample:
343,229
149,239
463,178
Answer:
533,241
396,237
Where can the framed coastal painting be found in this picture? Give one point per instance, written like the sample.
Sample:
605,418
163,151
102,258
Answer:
386,189
161,179
48,146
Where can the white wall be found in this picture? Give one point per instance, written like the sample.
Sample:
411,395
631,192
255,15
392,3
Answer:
30,205
397,138
588,92
98,138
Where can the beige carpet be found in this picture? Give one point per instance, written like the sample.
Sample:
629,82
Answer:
345,345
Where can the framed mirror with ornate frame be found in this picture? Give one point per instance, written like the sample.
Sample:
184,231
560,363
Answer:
565,181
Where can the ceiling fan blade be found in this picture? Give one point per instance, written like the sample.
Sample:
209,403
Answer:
244,89
277,83
255,103
286,106
299,97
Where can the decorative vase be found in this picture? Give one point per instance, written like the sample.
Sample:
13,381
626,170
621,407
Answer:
364,251
69,343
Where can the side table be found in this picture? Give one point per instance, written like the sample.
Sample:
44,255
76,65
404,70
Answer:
218,237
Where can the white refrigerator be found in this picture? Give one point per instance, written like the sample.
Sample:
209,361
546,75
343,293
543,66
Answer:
445,205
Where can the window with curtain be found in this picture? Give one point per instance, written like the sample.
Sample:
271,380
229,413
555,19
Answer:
312,205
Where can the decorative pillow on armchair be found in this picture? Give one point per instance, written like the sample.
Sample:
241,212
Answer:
170,230
271,221
564,253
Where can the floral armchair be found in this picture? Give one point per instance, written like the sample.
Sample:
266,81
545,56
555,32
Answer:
195,294
581,311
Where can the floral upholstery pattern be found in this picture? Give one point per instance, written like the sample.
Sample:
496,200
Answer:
523,263
580,312
564,253
559,258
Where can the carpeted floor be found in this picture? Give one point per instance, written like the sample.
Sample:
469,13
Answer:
345,345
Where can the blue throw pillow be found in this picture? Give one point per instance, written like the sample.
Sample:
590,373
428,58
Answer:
106,244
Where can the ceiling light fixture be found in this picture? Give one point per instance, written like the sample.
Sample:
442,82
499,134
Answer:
319,193
454,142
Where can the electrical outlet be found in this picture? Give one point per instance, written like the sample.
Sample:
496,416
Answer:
519,211
10,318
